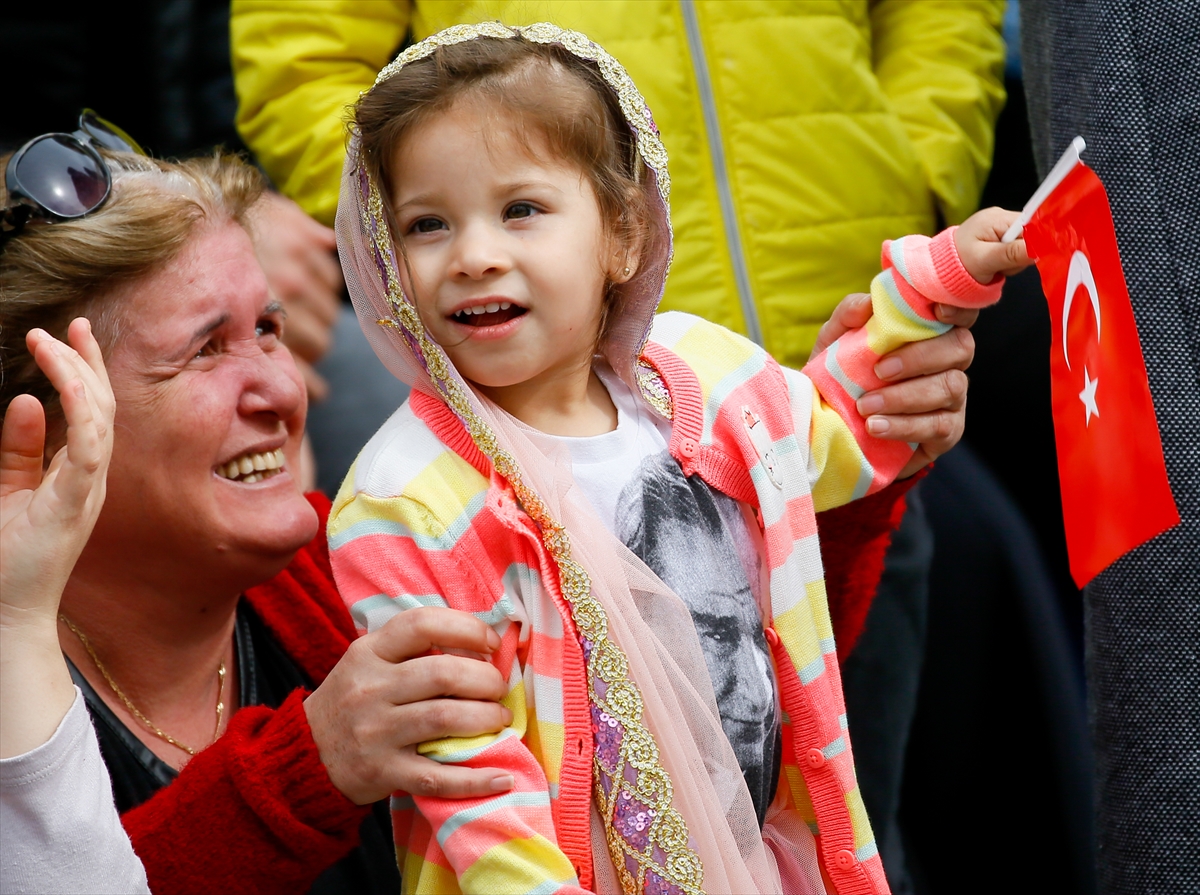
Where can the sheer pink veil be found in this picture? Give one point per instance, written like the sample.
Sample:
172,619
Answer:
670,807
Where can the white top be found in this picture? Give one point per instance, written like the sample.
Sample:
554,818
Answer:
603,464
59,829
702,544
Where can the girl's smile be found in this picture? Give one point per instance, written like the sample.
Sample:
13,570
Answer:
504,248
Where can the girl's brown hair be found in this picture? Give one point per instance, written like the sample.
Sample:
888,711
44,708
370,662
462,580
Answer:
562,98
52,273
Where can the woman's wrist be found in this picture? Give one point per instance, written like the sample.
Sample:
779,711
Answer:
35,687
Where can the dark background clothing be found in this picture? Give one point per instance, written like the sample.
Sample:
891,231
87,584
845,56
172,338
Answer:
1125,75
158,68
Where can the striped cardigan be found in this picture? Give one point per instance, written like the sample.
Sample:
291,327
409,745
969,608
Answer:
422,519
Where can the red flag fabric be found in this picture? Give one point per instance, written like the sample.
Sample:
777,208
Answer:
1110,461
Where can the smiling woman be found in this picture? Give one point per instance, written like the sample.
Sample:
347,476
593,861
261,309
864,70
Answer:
245,736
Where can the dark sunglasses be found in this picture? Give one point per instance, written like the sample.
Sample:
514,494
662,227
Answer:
60,177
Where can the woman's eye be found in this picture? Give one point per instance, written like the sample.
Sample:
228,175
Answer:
208,349
520,210
426,225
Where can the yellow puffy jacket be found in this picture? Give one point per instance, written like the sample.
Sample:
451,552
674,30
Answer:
801,133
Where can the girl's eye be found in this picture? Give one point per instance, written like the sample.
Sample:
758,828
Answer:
426,225
520,210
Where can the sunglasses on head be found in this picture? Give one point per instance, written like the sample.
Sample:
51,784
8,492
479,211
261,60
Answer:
61,177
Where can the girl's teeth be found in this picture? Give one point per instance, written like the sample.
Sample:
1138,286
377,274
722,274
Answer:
505,305
492,307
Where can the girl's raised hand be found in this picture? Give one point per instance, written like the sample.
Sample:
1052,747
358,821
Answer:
980,249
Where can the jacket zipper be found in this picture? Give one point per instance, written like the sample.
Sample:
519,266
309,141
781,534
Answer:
716,148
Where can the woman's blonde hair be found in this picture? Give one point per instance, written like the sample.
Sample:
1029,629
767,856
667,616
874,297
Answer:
52,273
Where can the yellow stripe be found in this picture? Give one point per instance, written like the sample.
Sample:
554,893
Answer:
799,634
889,328
713,352
518,866
837,456
424,878
859,821
818,601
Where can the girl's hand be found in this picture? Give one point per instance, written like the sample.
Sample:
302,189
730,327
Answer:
926,400
46,517
980,249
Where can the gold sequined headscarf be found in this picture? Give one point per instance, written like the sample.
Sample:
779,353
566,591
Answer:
645,669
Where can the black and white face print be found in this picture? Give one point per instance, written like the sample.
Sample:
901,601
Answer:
696,540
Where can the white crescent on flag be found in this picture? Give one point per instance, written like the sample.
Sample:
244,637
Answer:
1079,273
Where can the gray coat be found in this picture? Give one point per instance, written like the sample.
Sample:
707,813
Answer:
1125,74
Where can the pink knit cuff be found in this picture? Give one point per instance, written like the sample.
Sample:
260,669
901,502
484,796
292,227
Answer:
965,290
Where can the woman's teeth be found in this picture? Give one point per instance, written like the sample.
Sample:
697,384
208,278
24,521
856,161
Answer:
490,308
250,468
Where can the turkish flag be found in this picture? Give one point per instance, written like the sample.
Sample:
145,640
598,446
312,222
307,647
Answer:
1110,461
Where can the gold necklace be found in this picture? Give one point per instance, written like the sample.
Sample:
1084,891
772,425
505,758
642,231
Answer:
133,709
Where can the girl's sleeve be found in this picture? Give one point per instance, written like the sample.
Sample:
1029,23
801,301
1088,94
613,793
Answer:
846,462
394,554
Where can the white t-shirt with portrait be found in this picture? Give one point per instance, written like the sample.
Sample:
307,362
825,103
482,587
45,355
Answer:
698,541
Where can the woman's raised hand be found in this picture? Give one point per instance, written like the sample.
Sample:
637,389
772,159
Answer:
46,516
388,695
925,401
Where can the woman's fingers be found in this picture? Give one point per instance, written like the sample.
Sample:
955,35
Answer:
946,390
851,312
417,631
77,472
22,445
422,776
434,719
953,350
430,677
386,695
956,316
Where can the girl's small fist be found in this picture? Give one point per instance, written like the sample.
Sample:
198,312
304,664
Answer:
977,240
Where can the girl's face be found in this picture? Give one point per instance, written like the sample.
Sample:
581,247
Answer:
505,250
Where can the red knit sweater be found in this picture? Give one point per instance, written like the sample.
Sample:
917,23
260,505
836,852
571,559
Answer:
256,813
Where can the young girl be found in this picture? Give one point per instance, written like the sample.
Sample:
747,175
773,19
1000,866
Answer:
628,500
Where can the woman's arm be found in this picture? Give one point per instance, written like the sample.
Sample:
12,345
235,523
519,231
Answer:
52,780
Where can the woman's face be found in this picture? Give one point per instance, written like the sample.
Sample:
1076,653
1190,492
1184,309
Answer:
203,383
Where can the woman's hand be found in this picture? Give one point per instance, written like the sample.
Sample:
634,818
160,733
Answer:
927,404
387,695
46,517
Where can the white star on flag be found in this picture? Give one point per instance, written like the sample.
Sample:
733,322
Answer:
1088,397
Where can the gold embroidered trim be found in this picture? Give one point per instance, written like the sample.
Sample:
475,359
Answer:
652,786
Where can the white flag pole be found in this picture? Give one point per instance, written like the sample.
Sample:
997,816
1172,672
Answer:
1061,169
